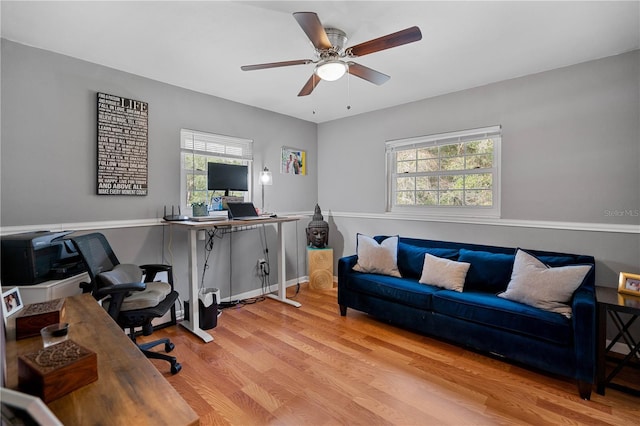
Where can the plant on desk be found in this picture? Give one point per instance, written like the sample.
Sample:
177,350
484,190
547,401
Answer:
199,209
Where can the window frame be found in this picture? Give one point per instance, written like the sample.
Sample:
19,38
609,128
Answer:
216,148
392,147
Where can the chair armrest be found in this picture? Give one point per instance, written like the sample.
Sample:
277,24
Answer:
584,333
117,292
115,289
152,269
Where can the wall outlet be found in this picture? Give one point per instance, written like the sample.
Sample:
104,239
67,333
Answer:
263,268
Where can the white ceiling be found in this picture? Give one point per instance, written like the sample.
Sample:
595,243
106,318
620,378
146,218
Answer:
201,45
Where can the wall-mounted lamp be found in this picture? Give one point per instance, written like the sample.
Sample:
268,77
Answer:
265,179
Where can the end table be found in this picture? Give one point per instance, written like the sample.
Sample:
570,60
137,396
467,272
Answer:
613,303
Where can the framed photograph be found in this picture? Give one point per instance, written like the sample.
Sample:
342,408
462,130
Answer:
629,284
630,302
12,302
293,161
21,409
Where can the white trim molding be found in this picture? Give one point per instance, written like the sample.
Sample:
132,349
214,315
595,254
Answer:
517,223
81,226
542,224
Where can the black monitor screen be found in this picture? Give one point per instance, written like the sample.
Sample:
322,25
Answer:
227,177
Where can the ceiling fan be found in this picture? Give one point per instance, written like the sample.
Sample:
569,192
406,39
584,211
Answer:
333,62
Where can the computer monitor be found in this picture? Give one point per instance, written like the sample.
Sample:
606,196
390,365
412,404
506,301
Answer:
227,177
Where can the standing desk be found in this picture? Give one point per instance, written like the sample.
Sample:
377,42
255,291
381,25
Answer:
193,323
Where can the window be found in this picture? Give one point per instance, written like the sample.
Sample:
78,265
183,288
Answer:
199,148
450,173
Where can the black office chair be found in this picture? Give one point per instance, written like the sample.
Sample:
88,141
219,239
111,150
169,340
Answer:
129,301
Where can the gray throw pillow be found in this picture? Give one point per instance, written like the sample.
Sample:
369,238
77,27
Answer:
444,273
536,284
377,258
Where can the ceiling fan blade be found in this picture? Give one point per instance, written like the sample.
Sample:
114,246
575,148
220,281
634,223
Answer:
310,85
408,35
275,65
313,28
367,73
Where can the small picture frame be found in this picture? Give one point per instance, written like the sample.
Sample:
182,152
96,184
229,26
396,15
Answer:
629,284
293,161
11,302
23,409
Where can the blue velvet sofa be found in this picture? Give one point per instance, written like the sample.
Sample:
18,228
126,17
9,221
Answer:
476,317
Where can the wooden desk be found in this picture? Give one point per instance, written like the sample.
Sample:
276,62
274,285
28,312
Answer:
129,389
193,323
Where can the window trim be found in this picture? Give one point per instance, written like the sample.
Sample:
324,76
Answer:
392,146
212,145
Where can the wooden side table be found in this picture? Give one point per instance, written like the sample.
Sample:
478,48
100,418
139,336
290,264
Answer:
320,268
612,303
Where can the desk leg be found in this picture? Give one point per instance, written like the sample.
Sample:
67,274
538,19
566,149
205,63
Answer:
281,296
193,324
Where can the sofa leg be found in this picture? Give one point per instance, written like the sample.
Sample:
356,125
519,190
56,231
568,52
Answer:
585,389
343,311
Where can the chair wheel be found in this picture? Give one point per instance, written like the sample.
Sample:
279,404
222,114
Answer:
168,347
175,368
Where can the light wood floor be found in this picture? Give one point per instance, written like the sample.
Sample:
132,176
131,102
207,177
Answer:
272,363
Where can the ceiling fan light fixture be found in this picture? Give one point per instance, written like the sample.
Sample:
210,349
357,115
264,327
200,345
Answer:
331,70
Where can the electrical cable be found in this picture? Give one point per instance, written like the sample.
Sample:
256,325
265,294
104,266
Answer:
208,249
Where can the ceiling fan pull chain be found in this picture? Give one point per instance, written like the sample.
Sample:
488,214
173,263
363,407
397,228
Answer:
348,90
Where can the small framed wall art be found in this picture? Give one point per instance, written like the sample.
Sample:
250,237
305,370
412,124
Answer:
293,161
629,284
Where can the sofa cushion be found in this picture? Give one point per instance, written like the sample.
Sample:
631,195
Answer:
405,291
411,258
444,273
377,258
536,284
489,272
492,311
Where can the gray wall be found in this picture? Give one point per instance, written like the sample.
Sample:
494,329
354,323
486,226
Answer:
49,151
570,145
570,154
570,164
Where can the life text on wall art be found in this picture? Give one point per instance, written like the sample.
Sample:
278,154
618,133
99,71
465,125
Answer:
122,145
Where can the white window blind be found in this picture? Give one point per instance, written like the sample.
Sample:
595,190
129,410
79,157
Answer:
216,145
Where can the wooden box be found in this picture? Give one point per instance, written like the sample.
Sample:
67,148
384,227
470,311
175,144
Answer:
57,370
38,315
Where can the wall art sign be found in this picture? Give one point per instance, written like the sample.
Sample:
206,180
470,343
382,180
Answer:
293,161
122,145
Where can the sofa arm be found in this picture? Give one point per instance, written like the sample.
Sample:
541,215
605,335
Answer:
584,332
346,264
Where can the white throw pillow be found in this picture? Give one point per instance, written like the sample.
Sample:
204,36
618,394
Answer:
377,258
536,284
444,273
